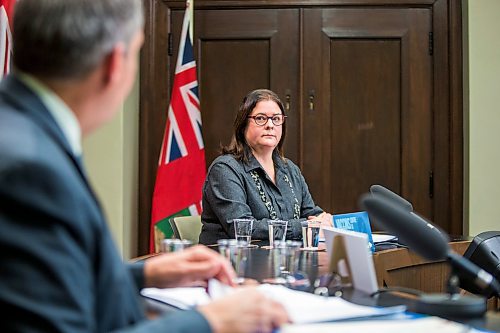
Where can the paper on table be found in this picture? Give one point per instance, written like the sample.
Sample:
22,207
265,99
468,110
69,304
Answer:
421,325
302,307
379,238
309,308
182,298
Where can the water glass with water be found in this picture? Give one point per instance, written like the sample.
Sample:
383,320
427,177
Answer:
289,254
310,235
174,245
237,253
243,229
277,231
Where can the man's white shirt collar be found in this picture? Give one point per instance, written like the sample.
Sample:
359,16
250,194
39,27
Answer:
62,114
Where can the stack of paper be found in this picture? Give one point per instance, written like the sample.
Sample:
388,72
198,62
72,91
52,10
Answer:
182,298
309,308
420,325
382,238
301,307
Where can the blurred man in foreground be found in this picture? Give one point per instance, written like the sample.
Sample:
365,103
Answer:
74,63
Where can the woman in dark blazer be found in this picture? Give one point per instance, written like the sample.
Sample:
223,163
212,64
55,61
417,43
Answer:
253,179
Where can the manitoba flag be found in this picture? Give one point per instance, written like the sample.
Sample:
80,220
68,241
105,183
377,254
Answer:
6,11
181,166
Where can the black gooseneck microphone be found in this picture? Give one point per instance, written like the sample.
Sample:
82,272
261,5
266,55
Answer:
423,238
393,197
432,244
464,269
409,228
402,203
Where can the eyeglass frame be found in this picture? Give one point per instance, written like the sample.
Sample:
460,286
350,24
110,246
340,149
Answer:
267,119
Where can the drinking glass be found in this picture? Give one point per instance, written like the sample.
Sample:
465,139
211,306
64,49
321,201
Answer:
174,245
289,253
243,229
277,231
310,236
284,261
237,253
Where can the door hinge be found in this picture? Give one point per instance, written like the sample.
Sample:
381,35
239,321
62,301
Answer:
431,184
431,43
170,46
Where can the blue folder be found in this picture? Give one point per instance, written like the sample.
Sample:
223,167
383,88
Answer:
358,221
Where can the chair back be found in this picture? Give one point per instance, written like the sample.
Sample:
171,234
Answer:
187,227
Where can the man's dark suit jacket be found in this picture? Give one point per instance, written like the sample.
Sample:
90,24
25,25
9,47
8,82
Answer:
59,268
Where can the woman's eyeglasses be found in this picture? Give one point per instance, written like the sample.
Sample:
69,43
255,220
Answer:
261,119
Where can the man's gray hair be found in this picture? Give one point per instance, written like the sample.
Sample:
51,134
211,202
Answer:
67,39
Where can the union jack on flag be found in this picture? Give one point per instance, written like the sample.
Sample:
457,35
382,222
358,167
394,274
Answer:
181,166
6,9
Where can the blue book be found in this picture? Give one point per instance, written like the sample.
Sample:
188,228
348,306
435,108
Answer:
358,221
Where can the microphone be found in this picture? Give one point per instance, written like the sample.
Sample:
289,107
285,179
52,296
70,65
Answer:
404,204
393,197
423,238
410,228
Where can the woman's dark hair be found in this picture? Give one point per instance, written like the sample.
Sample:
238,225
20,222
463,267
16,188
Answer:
239,147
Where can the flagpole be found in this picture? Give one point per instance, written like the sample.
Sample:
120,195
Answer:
190,8
181,167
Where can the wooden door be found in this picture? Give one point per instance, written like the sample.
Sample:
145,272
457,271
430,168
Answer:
239,51
368,112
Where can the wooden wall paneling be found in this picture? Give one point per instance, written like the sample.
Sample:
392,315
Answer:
238,51
419,122
301,40
353,102
154,95
441,119
315,90
456,121
365,131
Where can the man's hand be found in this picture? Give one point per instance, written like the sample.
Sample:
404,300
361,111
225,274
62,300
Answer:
245,311
178,269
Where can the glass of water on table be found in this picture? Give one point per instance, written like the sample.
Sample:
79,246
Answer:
243,230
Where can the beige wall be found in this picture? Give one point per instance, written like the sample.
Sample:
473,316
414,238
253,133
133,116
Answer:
111,161
111,153
483,115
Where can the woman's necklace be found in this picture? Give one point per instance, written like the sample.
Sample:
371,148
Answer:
270,208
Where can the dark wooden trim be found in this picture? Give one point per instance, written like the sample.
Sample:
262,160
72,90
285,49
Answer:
448,121
456,118
441,115
145,76
147,117
175,4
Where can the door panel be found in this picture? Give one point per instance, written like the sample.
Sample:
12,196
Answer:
373,104
242,50
221,94
365,132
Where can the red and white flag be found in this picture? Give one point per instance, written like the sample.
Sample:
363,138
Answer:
181,166
6,11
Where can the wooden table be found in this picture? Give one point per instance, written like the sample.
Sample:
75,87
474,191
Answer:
394,267
403,268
